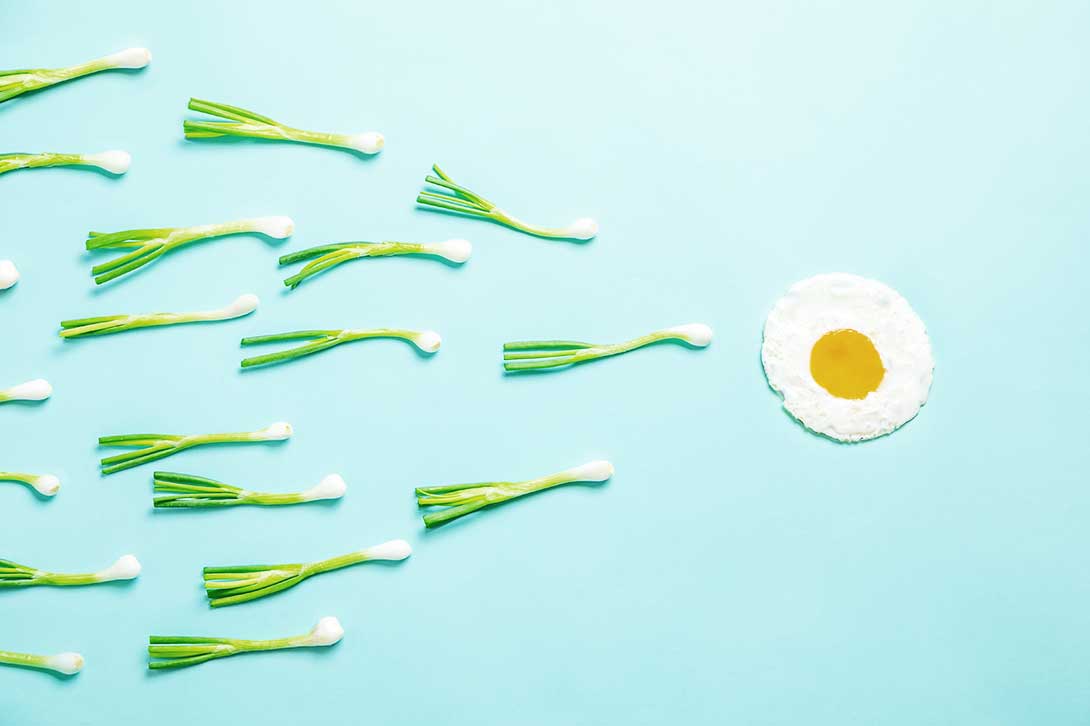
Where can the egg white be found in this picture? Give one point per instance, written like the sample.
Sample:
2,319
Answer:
821,304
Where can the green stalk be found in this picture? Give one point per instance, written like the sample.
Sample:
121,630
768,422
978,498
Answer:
148,245
426,340
460,200
534,355
328,256
45,484
115,162
243,123
17,82
151,447
242,583
12,574
109,324
462,499
64,663
179,651
188,491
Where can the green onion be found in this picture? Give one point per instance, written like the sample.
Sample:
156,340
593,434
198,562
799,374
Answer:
426,340
16,575
45,484
241,122
326,256
462,201
179,651
36,390
235,585
151,447
148,245
529,355
14,83
9,274
115,162
462,499
188,491
109,324
64,663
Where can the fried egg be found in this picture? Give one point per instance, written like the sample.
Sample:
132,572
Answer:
849,356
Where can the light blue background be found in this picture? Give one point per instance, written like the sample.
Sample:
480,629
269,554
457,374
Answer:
737,569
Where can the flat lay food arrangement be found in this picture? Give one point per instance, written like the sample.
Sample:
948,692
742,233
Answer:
520,363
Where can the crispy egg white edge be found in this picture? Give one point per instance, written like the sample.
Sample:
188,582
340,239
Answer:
813,307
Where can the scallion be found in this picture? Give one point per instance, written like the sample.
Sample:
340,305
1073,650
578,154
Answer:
241,122
326,256
115,162
67,664
9,274
188,491
148,245
462,499
150,447
235,585
15,575
460,200
179,651
108,324
36,390
426,340
14,83
531,355
45,484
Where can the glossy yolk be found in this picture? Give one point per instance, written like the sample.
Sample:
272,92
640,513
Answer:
846,364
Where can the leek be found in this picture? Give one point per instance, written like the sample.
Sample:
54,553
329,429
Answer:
115,162
531,355
188,491
427,341
179,651
151,447
36,390
14,83
67,664
15,575
45,484
109,324
325,257
9,274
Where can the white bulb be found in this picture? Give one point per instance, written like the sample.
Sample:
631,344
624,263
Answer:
115,162
46,484
243,305
584,228
394,550
66,663
36,390
276,227
593,471
9,274
697,334
126,568
275,432
129,58
428,341
330,487
455,250
327,632
371,142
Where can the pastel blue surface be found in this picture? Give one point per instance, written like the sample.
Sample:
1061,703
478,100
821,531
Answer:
736,569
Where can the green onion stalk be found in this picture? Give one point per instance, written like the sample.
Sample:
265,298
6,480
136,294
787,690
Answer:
67,664
238,584
244,123
427,341
148,245
462,499
180,651
13,574
456,198
188,491
325,257
36,390
9,274
535,355
45,484
115,162
109,324
17,82
151,447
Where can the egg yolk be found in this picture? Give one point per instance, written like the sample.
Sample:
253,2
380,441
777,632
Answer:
846,364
